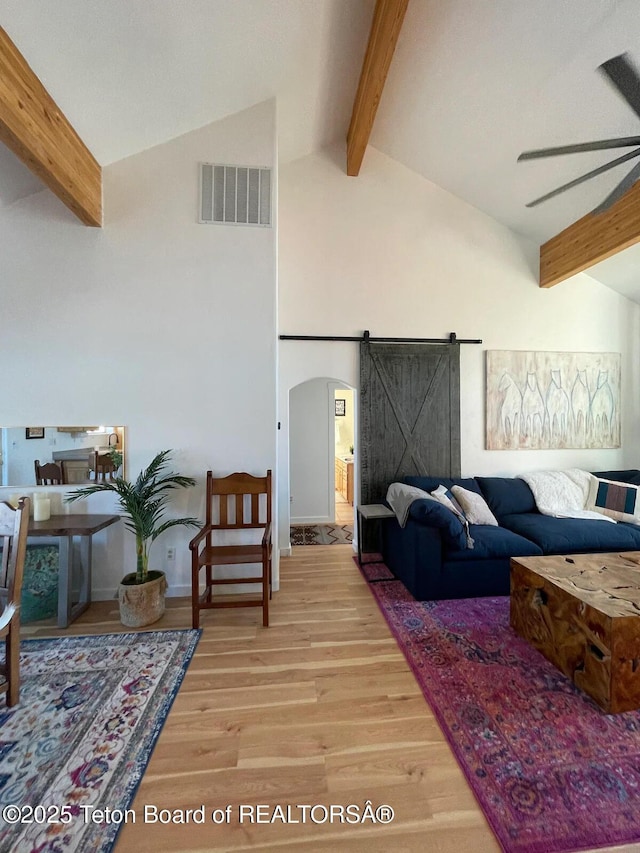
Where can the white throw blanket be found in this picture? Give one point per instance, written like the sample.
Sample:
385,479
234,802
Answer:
562,494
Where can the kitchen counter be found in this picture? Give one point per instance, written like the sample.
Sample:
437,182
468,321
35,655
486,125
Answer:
83,453
78,463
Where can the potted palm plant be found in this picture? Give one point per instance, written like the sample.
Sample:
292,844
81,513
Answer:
143,503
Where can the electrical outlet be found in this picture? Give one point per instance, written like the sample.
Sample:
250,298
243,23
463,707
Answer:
171,554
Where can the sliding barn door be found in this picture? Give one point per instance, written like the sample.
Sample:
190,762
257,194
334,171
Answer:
409,414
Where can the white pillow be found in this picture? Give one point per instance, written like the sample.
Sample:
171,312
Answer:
474,505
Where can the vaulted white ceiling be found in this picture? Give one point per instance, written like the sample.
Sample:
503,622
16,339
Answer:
472,84
476,82
130,74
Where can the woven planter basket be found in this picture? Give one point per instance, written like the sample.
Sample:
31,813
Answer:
142,604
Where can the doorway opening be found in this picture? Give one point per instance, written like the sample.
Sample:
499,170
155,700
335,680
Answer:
344,435
322,462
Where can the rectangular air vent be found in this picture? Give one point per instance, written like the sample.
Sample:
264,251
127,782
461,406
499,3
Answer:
235,195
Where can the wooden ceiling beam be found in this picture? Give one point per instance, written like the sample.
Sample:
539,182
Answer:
591,239
36,130
385,29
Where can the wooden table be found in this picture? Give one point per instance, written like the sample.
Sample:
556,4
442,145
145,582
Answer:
66,528
582,612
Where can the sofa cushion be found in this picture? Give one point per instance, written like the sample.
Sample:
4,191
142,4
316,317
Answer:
434,514
506,495
630,475
445,497
431,483
572,535
491,542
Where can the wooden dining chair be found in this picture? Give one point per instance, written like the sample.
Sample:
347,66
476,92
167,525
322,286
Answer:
49,473
102,466
14,524
239,502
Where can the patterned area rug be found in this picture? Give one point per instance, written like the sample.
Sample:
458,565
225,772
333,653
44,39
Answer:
374,569
550,770
91,709
321,534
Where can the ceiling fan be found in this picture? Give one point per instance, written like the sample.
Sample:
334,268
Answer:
626,79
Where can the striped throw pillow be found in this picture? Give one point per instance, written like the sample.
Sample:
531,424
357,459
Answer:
620,501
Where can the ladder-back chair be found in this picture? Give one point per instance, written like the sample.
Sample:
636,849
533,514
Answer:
14,524
49,473
238,502
102,466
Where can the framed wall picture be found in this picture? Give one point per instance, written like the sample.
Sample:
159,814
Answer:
341,408
34,432
538,400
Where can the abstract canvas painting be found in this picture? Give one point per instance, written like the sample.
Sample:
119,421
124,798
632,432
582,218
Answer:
552,400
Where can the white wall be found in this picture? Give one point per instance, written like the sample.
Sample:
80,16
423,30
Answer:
393,253
153,321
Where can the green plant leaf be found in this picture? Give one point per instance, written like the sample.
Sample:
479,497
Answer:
144,502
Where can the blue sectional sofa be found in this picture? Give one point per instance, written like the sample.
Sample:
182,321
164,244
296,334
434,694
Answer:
431,563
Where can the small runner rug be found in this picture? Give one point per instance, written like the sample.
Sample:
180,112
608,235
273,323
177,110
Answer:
90,712
550,770
321,534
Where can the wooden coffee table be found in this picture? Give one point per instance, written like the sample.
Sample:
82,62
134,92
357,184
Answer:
582,612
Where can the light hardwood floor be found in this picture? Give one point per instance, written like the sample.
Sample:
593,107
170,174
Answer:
320,708
344,510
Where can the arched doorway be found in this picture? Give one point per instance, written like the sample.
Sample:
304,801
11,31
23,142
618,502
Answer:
322,448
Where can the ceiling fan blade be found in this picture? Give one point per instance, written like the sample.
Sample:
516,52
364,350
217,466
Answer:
625,184
625,78
601,145
587,176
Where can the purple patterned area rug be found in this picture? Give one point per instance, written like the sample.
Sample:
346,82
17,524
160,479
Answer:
551,771
374,569
90,712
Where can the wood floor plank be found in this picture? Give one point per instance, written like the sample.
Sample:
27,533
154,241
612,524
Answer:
316,655
213,679
342,738
319,709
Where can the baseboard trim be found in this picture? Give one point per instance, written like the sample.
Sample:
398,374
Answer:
178,590
312,519
181,590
